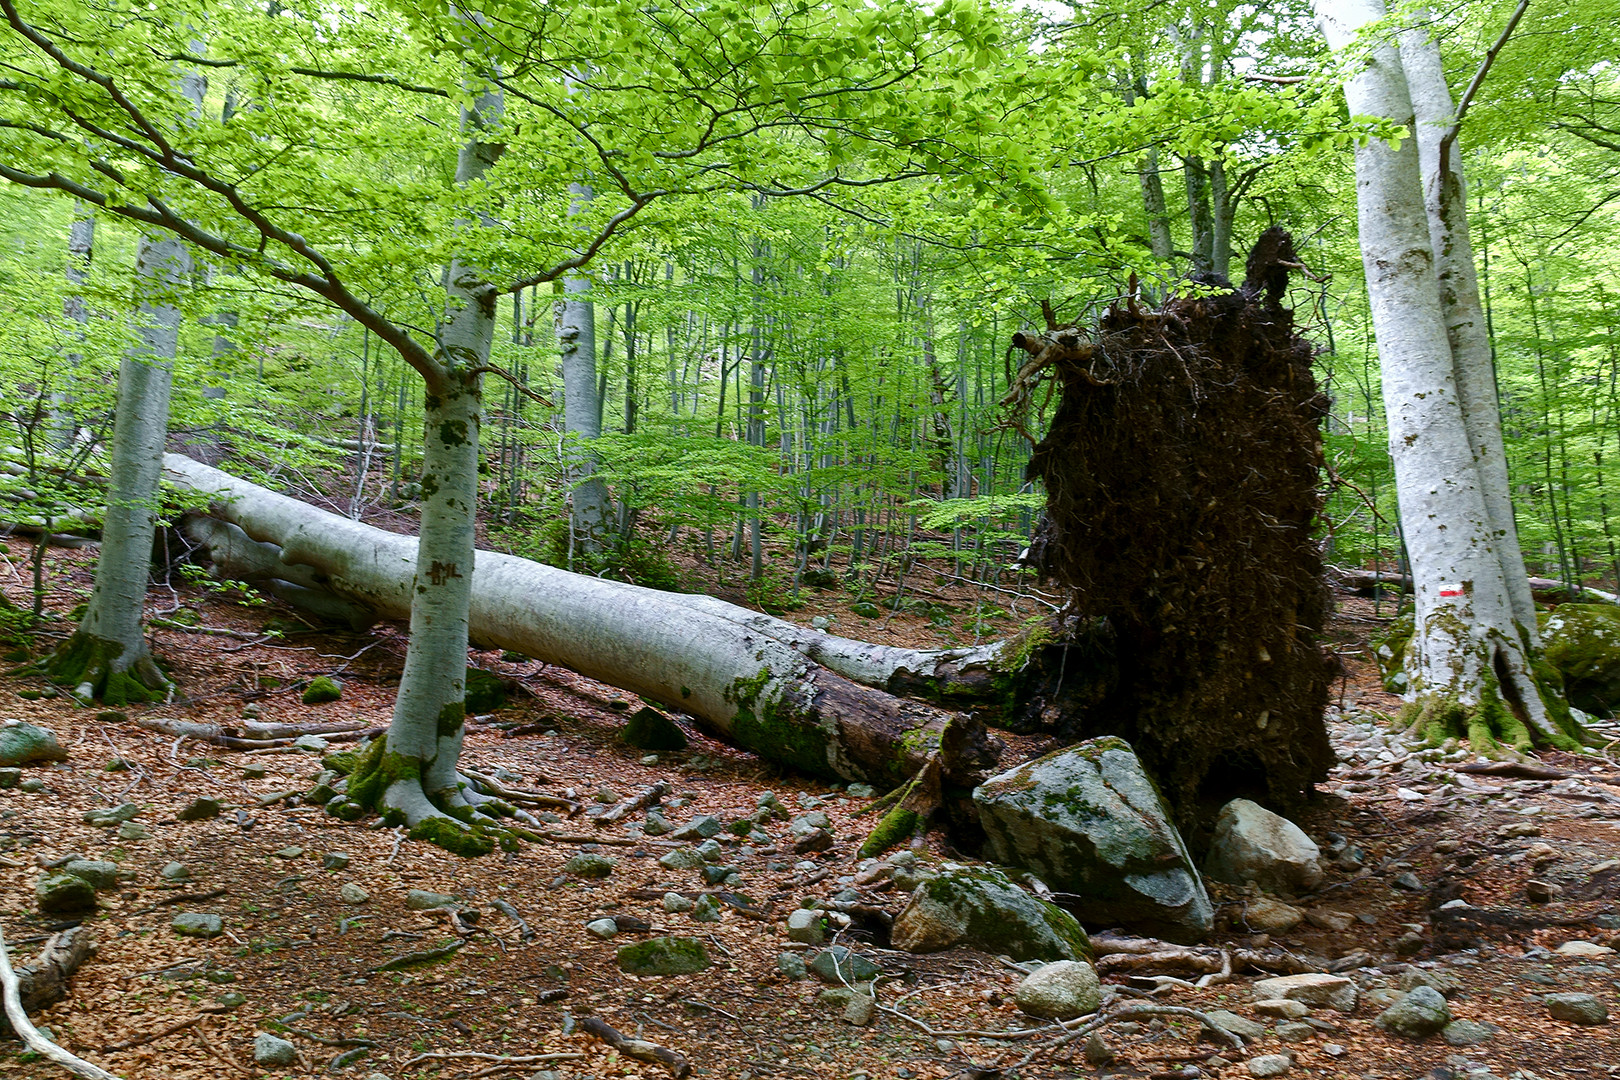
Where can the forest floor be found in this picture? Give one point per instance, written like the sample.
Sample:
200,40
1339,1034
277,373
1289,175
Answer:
297,960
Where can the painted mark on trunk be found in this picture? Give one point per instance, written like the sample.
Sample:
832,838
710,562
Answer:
441,572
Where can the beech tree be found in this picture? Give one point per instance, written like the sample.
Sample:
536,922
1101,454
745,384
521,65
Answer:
778,107
1473,661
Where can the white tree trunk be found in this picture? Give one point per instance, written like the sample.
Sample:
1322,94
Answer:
1470,661
423,745
591,507
1445,198
80,254
754,680
108,657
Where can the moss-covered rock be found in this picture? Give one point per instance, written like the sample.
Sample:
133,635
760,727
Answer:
1089,822
64,892
25,744
486,691
981,908
321,690
649,729
664,956
1389,648
1583,644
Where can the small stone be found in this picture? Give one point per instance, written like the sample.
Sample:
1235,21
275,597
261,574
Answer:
663,956
1409,882
1419,1014
321,690
106,819
1295,1031
200,809
1577,1008
603,929
711,851
350,893
805,824
716,875
10,778
1265,915
334,860
269,1050
838,965
100,874
706,910
684,858
861,1010
232,999
221,976
197,924
1466,1033
1443,981
32,786
1541,892
133,830
254,772
1336,921
291,851
1583,948
1270,1065
1061,990
1334,1050
312,743
861,791
1097,1050
813,841
1409,944
588,864
1283,1009
1318,991
174,871
700,828
675,903
1241,1026
648,759
61,892
422,900
791,965
806,927
657,824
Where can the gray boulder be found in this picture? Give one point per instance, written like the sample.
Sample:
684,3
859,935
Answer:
1314,990
1419,1014
664,956
110,816
99,873
982,909
840,966
25,744
1577,1008
269,1050
198,924
423,900
1060,991
1089,822
1253,844
63,892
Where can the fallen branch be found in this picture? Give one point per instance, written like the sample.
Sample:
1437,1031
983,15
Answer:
180,898
491,786
30,1035
631,806
43,981
151,1036
524,933
639,1049
247,736
475,1055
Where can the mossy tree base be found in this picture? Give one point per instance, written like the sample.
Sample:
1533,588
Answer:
459,820
1492,727
95,670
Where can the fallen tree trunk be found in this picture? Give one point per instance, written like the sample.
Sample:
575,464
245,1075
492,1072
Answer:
43,981
730,672
1544,590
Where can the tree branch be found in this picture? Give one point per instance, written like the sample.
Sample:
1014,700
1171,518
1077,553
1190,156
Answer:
1467,98
30,1035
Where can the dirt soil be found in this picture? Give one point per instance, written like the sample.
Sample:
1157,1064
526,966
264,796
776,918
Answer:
297,960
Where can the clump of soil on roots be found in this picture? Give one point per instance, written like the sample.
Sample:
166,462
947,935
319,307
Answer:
1182,470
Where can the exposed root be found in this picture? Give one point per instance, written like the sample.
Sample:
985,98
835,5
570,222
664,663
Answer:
96,670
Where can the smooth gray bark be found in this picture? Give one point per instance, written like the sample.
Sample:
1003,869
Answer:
1469,654
591,508
754,680
1445,198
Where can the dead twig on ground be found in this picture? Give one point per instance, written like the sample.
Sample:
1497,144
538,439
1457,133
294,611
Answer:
150,1037
639,1049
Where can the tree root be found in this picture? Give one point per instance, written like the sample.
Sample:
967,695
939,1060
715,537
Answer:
91,667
